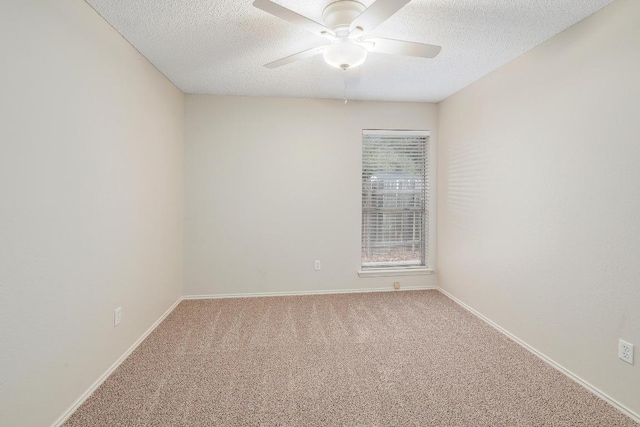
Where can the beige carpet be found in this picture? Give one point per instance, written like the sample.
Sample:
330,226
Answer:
376,359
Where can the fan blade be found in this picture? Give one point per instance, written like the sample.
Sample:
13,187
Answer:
296,57
377,13
400,47
294,18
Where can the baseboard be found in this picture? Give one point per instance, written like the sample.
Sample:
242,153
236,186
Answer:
317,292
64,417
619,406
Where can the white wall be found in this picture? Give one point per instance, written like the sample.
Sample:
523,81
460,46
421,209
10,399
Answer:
539,198
91,206
273,184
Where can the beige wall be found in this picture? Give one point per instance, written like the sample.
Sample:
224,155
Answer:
91,206
539,198
273,184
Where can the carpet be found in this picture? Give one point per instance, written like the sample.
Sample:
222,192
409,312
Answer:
411,358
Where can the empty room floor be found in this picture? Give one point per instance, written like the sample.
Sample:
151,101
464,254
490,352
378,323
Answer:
411,358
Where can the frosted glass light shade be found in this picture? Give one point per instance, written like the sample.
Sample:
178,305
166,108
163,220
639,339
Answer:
345,54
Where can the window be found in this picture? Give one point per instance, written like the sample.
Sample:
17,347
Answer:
395,199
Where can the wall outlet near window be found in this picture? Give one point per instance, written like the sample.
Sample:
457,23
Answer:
117,316
316,265
396,285
625,351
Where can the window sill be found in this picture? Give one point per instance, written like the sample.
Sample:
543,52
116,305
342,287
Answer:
388,272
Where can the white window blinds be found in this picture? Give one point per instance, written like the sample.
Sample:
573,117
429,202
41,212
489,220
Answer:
395,198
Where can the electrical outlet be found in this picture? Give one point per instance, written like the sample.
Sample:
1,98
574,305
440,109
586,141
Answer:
625,351
396,285
117,316
316,265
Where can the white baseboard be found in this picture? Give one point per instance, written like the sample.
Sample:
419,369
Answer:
64,417
619,406
317,292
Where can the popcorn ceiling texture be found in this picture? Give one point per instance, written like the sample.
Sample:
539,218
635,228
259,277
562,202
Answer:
374,359
220,46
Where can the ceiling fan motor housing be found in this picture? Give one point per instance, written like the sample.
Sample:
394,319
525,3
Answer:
340,14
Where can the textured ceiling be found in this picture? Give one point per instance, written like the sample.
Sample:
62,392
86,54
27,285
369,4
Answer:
220,46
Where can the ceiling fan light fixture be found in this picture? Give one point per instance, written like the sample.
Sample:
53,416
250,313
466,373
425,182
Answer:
345,54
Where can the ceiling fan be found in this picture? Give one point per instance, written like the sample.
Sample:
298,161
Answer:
345,24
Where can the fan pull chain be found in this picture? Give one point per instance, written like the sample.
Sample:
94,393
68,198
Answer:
344,79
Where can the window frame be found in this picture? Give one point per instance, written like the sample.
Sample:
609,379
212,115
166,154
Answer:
429,220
